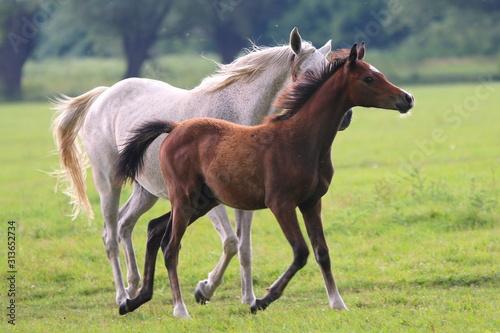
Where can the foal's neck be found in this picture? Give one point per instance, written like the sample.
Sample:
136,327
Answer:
322,115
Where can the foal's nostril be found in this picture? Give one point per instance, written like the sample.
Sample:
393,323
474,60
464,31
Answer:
409,98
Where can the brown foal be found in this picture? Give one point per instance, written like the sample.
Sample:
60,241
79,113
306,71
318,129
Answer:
281,164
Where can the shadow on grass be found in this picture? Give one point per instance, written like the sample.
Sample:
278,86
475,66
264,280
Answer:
440,282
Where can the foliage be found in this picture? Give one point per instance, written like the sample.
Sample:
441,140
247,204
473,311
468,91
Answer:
450,29
138,31
414,245
422,29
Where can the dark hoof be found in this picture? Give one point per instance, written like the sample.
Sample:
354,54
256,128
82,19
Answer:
124,308
257,305
253,308
200,299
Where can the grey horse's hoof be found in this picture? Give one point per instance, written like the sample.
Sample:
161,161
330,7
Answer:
200,299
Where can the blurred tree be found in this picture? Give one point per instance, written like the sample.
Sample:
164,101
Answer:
346,22
448,28
136,22
67,34
19,28
232,23
407,28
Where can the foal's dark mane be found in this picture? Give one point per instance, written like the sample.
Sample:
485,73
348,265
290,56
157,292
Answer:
298,93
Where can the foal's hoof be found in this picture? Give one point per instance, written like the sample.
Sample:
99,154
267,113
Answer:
253,308
256,306
200,298
123,308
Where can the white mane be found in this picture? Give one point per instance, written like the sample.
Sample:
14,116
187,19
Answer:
256,60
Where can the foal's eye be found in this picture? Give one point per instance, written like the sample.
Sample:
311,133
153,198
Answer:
368,79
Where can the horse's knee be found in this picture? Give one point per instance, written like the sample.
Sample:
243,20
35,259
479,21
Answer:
322,256
300,256
231,246
155,223
125,232
159,226
112,247
104,236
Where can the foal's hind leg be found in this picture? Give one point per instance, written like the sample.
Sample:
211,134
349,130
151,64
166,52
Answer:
183,214
205,289
171,256
139,202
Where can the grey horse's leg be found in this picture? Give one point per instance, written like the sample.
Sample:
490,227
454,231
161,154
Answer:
139,202
110,200
243,221
205,289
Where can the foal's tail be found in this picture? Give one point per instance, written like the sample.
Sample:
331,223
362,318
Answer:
131,158
66,125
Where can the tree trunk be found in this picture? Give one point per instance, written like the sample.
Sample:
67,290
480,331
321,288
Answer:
15,50
229,42
136,52
140,31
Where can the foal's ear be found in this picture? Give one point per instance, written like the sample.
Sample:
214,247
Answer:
295,41
353,55
361,51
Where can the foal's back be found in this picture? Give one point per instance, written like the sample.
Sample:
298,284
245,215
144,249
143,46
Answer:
241,166
232,160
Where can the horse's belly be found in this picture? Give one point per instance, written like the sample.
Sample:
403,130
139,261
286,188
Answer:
150,176
248,196
240,201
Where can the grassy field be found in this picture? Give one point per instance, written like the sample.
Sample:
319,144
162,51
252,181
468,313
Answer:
412,220
73,76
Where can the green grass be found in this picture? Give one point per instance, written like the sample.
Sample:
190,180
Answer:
412,221
447,70
73,76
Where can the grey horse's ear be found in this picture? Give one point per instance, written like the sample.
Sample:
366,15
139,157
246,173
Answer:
361,51
295,41
325,49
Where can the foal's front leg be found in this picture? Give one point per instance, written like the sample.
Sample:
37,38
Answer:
314,226
287,219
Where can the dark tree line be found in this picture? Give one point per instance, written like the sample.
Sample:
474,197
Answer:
134,29
17,42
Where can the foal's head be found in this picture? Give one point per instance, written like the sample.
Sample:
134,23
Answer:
368,87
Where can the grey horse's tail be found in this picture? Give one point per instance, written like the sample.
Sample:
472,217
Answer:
68,121
131,158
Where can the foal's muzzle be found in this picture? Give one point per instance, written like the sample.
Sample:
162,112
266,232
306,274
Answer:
405,102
